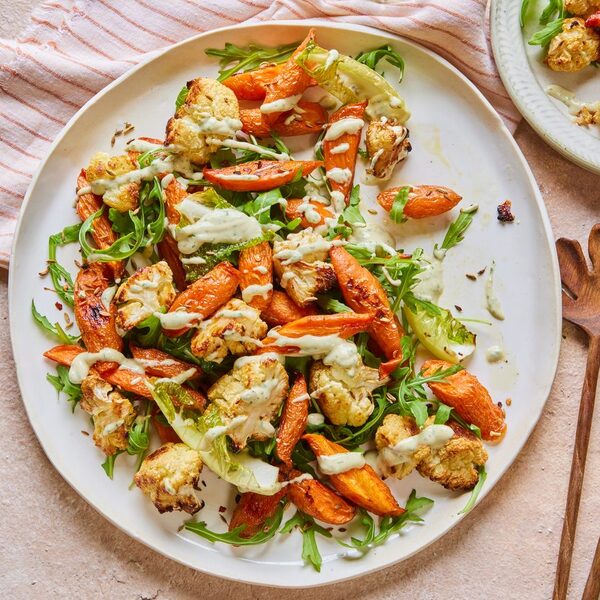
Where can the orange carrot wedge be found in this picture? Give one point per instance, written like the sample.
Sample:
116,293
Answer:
292,212
317,500
96,323
469,398
340,153
206,294
102,232
255,265
363,293
160,364
169,252
260,175
174,194
293,420
423,200
253,510
291,81
282,309
165,432
310,118
252,85
361,486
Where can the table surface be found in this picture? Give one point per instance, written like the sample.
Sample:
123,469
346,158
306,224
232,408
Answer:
53,545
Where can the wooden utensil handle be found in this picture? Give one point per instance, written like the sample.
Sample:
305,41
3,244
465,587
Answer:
592,587
582,438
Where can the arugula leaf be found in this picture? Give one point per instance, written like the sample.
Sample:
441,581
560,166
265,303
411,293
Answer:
372,57
476,491
138,438
109,464
264,449
308,528
442,414
554,8
523,13
350,217
458,228
329,304
397,211
545,35
56,330
62,383
61,278
248,58
388,526
233,537
180,100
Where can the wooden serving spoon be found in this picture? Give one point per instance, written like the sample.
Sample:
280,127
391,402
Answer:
581,306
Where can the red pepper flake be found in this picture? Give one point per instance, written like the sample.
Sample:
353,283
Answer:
58,305
504,212
222,509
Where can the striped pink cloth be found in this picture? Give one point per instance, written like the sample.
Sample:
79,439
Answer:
73,48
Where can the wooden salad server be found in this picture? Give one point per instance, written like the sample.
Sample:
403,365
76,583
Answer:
581,306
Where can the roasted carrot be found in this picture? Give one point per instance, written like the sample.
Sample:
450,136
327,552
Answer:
293,420
282,309
255,265
253,510
127,380
251,85
291,81
341,152
593,20
317,500
260,175
206,294
102,232
361,486
363,293
309,117
292,212
165,432
160,364
174,194
423,200
96,322
169,252
469,398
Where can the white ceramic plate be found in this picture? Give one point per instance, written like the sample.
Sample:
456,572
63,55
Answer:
458,141
526,78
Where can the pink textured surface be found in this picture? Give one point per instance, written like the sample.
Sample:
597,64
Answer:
53,545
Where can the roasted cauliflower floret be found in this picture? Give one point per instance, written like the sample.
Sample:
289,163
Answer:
589,115
105,167
234,329
112,414
209,115
168,477
344,397
394,429
299,262
574,48
387,145
252,394
147,291
582,8
455,464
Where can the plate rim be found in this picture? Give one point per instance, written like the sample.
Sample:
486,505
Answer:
526,92
548,238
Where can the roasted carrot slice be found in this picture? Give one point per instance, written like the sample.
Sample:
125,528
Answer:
259,175
169,252
423,200
363,293
102,232
469,398
290,82
96,322
253,510
174,194
206,294
255,265
160,364
282,309
127,380
340,153
292,211
361,486
309,117
293,420
251,85
165,432
317,500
